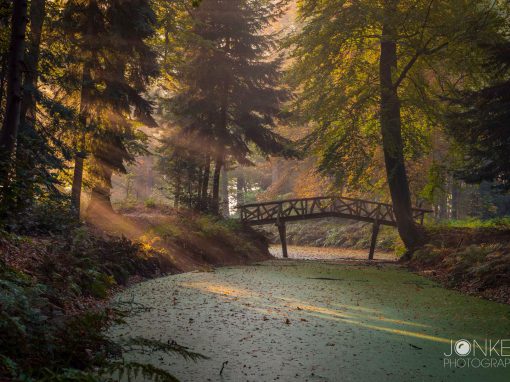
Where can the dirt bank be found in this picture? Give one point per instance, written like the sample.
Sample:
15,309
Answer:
191,241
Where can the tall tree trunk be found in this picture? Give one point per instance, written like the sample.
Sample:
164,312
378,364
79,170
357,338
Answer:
86,84
25,159
80,145
9,132
177,192
190,192
218,164
391,129
224,207
3,72
204,195
455,199
201,172
100,197
4,54
241,184
29,104
443,203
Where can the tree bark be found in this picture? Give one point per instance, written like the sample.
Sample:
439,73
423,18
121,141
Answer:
86,85
224,207
37,16
2,76
391,129
177,192
79,161
100,197
80,147
9,132
25,158
455,199
241,185
204,195
216,184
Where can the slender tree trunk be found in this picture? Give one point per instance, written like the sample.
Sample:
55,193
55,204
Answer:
224,207
216,184
455,199
86,84
190,193
201,172
3,71
81,145
241,184
204,195
4,24
100,197
25,160
393,146
9,132
443,204
79,161
29,104
177,192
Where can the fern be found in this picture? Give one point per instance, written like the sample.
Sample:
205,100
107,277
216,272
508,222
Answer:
140,344
132,370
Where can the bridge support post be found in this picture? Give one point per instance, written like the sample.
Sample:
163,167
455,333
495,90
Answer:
283,237
375,232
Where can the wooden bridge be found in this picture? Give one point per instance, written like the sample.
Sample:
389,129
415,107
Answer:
282,211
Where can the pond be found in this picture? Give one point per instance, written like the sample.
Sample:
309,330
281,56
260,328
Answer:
298,320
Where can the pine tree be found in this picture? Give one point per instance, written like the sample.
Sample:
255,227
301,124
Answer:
117,65
230,97
480,123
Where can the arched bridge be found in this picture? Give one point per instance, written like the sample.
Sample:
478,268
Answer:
281,211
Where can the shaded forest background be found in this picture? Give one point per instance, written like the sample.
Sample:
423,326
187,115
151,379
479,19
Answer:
214,105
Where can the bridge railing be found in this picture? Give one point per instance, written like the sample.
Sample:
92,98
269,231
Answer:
310,208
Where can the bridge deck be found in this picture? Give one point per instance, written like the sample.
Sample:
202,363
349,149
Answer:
321,207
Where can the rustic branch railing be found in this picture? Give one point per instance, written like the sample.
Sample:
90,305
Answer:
320,207
282,211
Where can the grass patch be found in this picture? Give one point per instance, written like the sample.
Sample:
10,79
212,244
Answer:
497,223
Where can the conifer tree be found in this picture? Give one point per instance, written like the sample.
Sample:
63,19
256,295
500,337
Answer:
117,65
480,123
230,97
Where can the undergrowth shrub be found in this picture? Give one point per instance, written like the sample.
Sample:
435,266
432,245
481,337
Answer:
428,255
498,223
52,216
150,203
41,341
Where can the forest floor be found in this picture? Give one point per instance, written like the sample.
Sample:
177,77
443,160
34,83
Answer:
312,321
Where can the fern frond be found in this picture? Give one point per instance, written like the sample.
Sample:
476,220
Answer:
148,345
130,370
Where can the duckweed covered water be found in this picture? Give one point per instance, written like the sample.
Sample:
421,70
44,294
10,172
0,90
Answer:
313,321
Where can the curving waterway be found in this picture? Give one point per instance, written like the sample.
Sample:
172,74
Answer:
302,320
